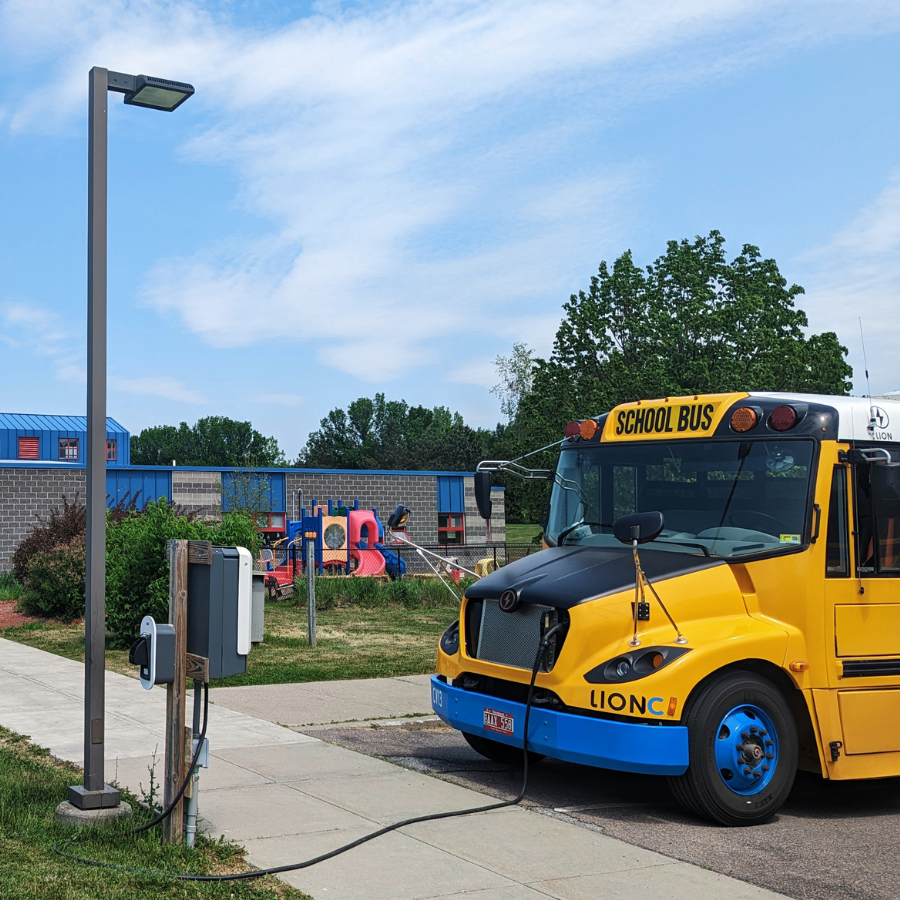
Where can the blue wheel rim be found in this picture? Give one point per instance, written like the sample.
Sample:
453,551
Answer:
746,747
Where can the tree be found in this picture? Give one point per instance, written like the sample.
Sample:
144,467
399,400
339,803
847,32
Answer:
691,322
516,373
390,434
212,441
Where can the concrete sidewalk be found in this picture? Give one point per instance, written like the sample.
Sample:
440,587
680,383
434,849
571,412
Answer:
288,796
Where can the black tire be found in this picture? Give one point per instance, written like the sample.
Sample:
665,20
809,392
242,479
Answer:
737,697
500,753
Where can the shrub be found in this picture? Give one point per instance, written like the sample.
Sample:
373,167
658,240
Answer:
10,589
60,528
137,569
54,585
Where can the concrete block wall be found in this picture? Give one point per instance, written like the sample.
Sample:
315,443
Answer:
30,492
198,492
384,492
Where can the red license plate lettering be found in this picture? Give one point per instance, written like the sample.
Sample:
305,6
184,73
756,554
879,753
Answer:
498,721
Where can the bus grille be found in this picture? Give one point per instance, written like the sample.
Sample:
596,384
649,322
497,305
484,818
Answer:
511,639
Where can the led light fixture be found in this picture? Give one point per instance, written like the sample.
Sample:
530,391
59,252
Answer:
152,93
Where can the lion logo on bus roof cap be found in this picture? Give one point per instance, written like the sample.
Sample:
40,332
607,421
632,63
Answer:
509,601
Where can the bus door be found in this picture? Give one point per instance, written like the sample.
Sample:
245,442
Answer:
863,607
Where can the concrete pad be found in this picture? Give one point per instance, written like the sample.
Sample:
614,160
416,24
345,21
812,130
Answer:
301,761
534,847
674,881
268,810
394,795
134,774
329,701
391,867
510,892
67,814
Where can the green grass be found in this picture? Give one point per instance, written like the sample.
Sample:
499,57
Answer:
10,589
351,642
32,784
521,534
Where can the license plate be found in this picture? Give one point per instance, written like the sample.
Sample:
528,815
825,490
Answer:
498,721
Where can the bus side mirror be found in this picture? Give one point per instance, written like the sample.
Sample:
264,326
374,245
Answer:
640,527
483,494
398,517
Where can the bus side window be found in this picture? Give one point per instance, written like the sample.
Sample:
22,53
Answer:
837,553
885,487
862,515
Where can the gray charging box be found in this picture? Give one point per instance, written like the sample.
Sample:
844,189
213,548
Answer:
213,613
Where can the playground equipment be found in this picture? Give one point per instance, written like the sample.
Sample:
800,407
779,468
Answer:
348,541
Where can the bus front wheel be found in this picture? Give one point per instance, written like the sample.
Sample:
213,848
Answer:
742,746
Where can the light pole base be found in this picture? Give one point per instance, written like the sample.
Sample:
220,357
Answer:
69,814
81,798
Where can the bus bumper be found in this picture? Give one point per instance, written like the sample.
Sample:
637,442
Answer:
647,749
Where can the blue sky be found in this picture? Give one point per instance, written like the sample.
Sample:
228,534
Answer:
370,197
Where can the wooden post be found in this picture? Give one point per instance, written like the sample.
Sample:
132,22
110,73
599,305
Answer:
175,692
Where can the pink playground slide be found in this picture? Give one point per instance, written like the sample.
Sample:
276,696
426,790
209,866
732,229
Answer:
369,561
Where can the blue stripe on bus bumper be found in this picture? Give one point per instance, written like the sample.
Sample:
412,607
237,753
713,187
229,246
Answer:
648,749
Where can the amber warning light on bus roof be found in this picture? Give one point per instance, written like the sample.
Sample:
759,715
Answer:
743,419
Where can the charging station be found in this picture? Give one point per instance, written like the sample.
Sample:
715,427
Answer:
154,653
220,610
208,636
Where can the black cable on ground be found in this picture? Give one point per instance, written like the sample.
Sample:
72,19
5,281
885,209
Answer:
276,870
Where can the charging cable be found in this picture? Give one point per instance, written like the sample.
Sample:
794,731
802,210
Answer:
276,870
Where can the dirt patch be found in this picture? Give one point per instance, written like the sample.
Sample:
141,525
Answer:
10,618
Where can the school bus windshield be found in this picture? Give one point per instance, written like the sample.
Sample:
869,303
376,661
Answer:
719,498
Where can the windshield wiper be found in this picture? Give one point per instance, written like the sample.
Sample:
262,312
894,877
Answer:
567,531
703,547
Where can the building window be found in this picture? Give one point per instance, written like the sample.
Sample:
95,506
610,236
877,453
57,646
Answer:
451,528
68,448
29,448
110,449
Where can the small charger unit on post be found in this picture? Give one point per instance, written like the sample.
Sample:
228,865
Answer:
154,653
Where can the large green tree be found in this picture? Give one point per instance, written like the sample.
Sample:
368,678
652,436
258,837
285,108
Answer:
390,434
212,441
691,322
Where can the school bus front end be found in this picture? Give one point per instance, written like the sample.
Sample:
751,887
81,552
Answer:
727,649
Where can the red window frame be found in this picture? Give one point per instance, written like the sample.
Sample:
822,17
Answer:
68,448
111,450
452,529
29,448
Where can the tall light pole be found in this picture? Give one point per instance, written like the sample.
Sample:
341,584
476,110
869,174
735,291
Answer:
154,93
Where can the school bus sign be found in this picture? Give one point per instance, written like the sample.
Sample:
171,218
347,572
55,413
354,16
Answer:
674,417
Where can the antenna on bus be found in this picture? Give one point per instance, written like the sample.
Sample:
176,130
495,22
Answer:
872,420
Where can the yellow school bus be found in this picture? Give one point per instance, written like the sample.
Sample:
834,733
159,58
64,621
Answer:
754,630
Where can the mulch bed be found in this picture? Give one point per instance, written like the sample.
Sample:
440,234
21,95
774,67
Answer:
10,618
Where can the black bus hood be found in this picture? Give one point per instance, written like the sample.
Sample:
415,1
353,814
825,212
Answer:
563,577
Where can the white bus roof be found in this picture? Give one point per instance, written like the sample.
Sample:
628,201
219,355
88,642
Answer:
859,418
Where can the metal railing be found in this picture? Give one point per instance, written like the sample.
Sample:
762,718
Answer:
400,560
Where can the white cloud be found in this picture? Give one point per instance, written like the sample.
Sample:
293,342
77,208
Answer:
167,388
35,332
401,153
856,275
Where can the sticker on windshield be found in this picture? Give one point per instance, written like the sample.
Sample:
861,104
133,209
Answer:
789,538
